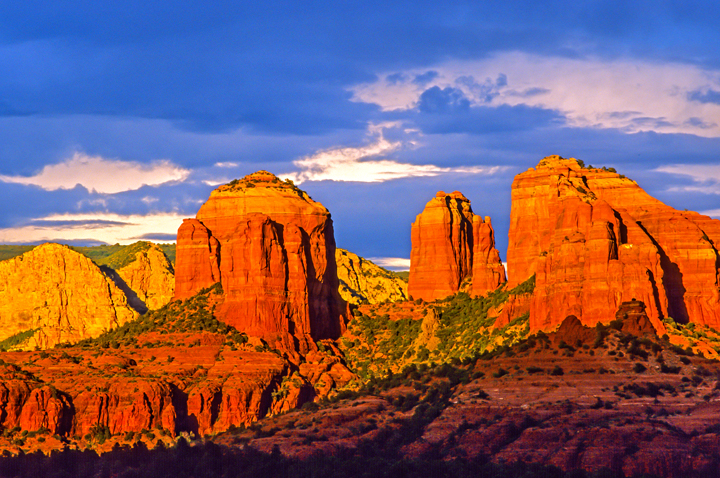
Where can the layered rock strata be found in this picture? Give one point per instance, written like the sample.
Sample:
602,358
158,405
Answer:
362,281
595,239
446,239
203,389
273,249
60,294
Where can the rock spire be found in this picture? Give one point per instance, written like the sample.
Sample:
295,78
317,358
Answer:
449,245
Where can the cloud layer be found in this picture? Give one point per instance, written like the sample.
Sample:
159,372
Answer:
109,228
630,95
100,175
368,164
392,263
705,176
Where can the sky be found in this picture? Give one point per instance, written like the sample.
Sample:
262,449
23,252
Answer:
117,119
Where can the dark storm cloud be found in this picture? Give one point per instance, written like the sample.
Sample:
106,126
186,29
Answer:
445,114
709,96
285,67
425,78
265,83
443,101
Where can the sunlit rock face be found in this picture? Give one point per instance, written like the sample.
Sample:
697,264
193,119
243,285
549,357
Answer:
149,278
449,245
488,271
594,239
361,281
59,293
273,249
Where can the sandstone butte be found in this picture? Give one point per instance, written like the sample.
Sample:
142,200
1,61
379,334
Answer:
594,239
362,281
59,293
273,250
149,277
449,245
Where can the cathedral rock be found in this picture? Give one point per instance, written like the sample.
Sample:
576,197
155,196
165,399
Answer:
449,245
273,250
594,239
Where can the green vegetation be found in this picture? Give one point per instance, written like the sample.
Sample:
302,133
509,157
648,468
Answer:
694,333
10,251
110,255
118,256
15,340
191,315
123,256
274,182
402,275
464,329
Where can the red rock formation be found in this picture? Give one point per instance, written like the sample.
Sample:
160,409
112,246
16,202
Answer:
572,332
443,250
273,249
594,239
488,271
687,243
634,318
150,277
196,259
112,391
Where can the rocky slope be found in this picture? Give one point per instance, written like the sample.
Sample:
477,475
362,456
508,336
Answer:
149,276
594,239
362,281
59,294
273,249
174,370
615,398
445,238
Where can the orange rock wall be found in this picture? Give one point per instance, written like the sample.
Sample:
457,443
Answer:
61,293
446,239
595,239
196,259
233,388
488,271
273,249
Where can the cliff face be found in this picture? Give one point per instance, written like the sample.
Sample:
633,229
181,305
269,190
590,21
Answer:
196,259
149,277
61,293
204,389
273,249
595,239
361,281
687,243
488,271
445,238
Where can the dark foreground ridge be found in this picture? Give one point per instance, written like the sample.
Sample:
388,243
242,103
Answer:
214,461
